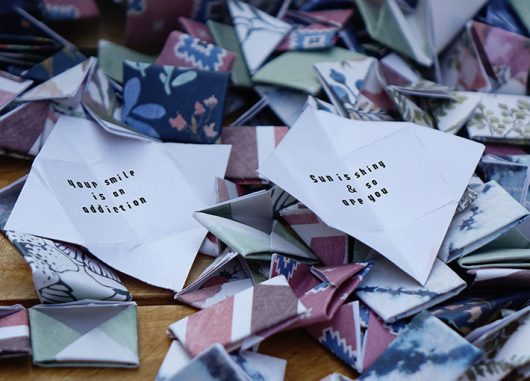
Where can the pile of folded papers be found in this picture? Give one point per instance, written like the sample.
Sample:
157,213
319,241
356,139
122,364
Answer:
356,169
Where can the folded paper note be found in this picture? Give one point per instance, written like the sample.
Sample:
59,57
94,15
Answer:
66,273
183,50
366,182
248,225
251,146
89,333
227,275
178,105
250,313
393,295
258,32
10,87
14,332
493,213
425,349
103,192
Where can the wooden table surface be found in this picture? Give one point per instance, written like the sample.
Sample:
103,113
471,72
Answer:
307,359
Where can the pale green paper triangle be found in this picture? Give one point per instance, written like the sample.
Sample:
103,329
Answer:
122,328
49,336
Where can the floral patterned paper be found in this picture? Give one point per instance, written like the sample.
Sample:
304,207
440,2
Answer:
65,273
501,118
173,104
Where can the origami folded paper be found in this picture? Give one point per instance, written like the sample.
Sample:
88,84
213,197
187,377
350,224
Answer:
227,275
500,14
225,37
466,313
21,128
366,172
462,67
69,9
285,103
89,333
253,313
420,32
309,37
251,146
295,69
393,295
496,278
150,21
244,365
58,63
450,116
196,29
173,104
426,349
509,68
65,273
181,49
258,32
343,82
8,197
512,176
522,9
492,214
65,88
501,118
336,377
248,225
505,344
321,289
14,332
10,87
330,245
503,258
106,198
111,57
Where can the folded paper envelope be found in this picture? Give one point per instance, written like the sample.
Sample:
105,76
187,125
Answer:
392,185
128,201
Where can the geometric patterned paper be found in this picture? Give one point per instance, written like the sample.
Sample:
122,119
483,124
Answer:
14,331
255,312
88,333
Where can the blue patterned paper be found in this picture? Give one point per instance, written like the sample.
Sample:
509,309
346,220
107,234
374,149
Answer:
60,62
177,105
426,350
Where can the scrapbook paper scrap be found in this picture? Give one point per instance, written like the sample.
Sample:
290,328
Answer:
10,87
330,245
501,118
462,67
426,349
14,332
106,199
268,305
469,312
88,333
509,67
225,37
493,213
295,69
65,273
171,104
111,57
22,127
65,87
505,344
58,63
196,29
184,50
285,103
258,32
248,225
251,146
364,172
227,275
393,295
